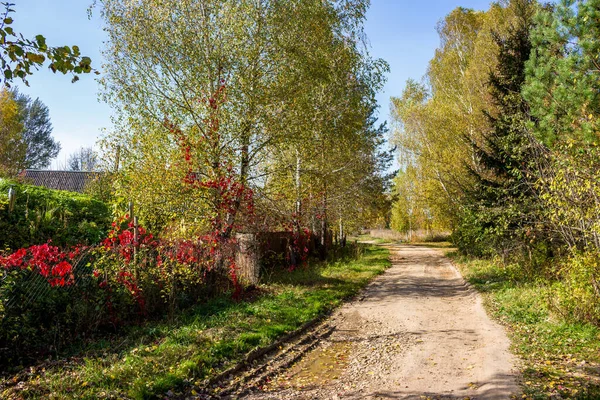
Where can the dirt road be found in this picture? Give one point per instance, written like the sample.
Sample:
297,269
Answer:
417,332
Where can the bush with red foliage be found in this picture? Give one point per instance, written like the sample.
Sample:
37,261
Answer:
54,264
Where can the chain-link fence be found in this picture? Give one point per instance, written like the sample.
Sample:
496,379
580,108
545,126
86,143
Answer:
33,286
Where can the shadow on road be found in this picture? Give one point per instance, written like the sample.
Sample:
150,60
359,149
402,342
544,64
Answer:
499,383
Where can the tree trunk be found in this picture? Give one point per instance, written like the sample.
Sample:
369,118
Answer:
298,185
323,247
244,163
342,240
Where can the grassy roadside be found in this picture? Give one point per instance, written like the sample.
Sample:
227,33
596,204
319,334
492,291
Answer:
158,357
561,359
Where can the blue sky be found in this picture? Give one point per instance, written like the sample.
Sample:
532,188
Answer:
400,31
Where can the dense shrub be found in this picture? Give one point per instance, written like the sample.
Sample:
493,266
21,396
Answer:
470,236
576,295
41,214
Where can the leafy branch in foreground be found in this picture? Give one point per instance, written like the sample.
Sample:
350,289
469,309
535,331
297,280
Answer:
20,56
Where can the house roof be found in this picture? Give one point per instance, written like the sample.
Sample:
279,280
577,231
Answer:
73,181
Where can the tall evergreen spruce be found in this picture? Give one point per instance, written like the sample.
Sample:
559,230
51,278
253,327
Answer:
500,205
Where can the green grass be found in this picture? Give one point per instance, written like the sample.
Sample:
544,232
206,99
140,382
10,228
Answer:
561,358
158,357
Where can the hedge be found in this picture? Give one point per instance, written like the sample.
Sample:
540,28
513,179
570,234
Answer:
40,214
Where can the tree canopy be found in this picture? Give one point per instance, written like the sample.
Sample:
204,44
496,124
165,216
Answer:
12,147
504,152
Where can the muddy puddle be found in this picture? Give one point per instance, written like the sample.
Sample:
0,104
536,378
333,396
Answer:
321,366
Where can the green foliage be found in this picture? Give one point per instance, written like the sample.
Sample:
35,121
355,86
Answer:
569,192
292,118
470,161
41,214
562,75
12,146
577,295
562,89
470,236
437,121
410,211
101,188
502,204
20,56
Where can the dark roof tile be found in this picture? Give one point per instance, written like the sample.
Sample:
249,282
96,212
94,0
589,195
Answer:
73,181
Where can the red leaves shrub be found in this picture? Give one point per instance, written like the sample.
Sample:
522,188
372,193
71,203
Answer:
16,259
49,261
154,273
299,246
124,241
37,312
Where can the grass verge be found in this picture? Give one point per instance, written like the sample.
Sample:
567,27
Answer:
561,359
161,356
